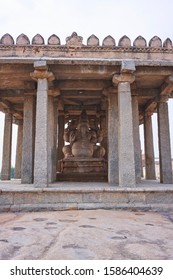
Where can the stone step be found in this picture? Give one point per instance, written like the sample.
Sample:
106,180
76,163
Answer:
82,177
66,196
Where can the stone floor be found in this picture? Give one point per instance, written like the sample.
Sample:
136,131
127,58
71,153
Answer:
86,235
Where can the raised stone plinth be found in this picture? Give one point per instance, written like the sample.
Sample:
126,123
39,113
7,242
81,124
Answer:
83,170
83,165
69,195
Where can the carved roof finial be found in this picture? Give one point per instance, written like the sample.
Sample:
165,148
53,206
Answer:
74,40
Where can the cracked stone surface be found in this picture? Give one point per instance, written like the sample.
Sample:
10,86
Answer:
86,235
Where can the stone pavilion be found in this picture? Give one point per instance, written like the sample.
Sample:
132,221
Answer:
79,105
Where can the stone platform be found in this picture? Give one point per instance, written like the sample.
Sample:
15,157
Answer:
83,165
148,195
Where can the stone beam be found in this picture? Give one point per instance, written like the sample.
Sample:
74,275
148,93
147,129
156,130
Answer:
153,71
7,107
16,84
82,84
5,103
145,92
79,107
81,94
11,93
167,87
150,106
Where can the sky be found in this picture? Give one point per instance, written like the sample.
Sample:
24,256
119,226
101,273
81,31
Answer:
100,17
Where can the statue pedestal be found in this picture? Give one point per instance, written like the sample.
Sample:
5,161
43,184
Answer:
83,165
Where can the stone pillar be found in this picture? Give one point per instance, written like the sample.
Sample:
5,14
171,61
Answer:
52,139
125,140
113,166
164,143
136,137
149,147
17,171
60,139
41,138
142,172
103,126
28,140
6,157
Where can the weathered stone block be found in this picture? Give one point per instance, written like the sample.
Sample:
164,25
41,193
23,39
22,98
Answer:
128,66
105,197
6,198
159,197
138,197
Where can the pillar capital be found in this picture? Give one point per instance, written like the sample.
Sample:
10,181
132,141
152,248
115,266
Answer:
42,74
123,78
41,71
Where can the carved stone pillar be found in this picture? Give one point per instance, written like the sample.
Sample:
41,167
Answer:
28,140
41,140
113,166
149,147
164,142
6,157
17,171
125,131
136,137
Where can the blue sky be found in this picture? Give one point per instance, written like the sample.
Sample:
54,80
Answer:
100,17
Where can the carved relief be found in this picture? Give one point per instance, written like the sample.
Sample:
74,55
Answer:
74,40
42,74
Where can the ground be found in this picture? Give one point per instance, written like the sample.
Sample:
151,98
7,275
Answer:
86,235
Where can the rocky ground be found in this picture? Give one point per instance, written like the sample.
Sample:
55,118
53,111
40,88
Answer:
86,235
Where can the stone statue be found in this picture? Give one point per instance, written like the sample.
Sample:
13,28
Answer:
84,141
